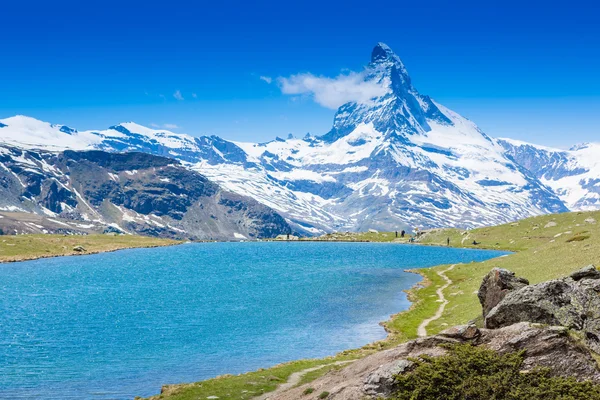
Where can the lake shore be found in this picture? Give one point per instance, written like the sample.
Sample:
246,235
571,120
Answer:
17,248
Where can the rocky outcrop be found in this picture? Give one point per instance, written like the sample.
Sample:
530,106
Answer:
495,286
572,302
373,376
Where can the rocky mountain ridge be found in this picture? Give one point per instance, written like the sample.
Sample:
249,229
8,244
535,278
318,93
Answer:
97,191
574,175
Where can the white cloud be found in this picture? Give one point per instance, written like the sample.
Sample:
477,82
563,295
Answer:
166,126
333,92
267,79
178,95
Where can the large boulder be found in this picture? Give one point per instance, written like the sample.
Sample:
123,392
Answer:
572,302
496,285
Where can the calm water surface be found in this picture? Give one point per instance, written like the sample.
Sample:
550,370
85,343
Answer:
117,325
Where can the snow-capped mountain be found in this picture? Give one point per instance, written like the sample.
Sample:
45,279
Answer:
398,160
573,174
96,191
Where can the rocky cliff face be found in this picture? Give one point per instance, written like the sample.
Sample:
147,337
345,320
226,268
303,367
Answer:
126,192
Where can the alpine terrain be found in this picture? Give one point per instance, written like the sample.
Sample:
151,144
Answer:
95,191
398,161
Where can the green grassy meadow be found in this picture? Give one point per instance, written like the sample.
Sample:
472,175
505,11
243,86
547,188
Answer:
29,247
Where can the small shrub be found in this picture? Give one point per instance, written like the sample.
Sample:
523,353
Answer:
578,238
324,395
469,372
308,391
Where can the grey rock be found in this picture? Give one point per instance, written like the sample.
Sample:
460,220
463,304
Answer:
545,346
380,383
589,272
79,249
574,304
496,285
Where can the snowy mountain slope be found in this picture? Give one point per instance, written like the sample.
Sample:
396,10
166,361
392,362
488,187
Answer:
399,160
573,174
403,159
97,191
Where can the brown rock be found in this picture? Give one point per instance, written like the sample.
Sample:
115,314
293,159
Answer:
462,332
495,285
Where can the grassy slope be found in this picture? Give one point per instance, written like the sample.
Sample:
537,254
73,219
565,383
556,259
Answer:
542,253
28,247
540,256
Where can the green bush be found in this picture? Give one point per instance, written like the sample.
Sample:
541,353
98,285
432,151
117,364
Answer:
474,373
324,395
308,391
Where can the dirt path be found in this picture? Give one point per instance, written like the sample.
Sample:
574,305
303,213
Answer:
294,379
422,330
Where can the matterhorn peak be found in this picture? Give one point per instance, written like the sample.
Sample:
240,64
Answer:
382,53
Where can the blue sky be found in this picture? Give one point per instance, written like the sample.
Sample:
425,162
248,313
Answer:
527,69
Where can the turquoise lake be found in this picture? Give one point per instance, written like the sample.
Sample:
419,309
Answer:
119,325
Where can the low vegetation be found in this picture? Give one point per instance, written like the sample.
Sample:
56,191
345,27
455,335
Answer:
469,372
29,247
244,386
312,375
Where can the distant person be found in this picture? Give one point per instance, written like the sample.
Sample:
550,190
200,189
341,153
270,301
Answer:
448,242
402,233
396,233
475,243
288,236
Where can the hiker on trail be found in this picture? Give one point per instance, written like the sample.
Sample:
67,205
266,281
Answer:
448,242
402,233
